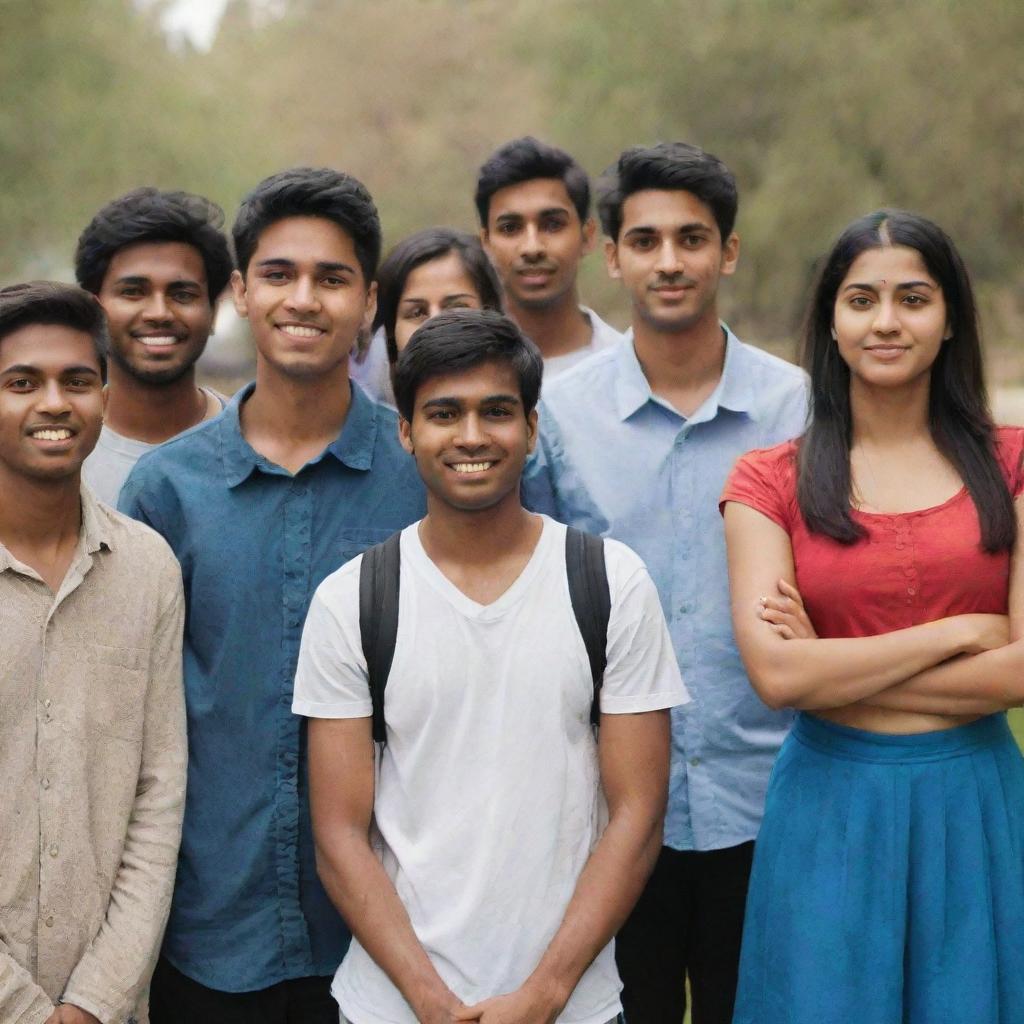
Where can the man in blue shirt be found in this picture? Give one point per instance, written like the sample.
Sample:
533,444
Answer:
299,474
648,431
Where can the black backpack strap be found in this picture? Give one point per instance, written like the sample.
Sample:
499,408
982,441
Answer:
591,603
379,577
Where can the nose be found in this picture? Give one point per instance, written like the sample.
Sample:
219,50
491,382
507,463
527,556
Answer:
669,260
886,317
156,308
472,432
52,399
302,298
531,245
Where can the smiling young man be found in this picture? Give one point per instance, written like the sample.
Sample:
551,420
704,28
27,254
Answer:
534,206
158,262
486,868
301,473
650,431
92,725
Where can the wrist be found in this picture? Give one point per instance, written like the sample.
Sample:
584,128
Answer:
430,998
549,990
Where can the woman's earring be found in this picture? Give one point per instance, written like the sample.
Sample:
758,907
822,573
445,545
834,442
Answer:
832,331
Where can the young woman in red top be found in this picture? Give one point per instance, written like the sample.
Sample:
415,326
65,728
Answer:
877,587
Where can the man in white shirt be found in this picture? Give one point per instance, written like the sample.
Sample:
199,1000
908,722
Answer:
534,206
157,262
486,868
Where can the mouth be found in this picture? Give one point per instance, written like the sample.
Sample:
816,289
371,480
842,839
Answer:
157,340
887,351
301,332
52,438
535,275
466,468
672,291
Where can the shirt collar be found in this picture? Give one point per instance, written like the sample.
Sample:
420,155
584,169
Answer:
353,446
732,392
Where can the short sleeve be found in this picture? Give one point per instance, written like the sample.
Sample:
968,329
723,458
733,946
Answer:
331,676
1010,451
764,480
642,672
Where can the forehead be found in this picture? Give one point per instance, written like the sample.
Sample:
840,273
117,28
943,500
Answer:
893,264
443,273
51,348
665,210
305,241
494,377
159,262
530,198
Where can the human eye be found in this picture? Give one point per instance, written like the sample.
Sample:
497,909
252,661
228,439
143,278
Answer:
508,227
441,415
915,299
860,302
642,243
554,224
693,241
130,291
19,384
79,383
498,412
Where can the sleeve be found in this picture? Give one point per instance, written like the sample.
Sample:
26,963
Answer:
114,971
552,486
756,481
1010,449
22,1001
331,676
135,499
642,672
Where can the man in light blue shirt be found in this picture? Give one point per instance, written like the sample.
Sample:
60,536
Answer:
647,431
301,473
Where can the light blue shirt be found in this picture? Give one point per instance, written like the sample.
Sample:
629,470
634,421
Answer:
254,543
614,456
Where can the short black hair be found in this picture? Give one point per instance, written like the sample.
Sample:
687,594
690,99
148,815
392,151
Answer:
669,166
149,215
458,340
423,247
51,302
524,160
310,192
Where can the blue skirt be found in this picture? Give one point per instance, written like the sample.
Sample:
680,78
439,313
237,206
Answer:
888,880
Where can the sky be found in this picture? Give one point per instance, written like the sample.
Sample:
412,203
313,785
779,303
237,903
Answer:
196,20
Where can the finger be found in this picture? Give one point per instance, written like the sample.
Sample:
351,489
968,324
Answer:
788,590
785,631
778,615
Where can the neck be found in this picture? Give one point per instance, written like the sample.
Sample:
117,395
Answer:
685,364
556,329
883,417
297,410
475,538
152,412
39,514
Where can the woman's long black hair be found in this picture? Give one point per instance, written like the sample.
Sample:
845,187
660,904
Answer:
959,417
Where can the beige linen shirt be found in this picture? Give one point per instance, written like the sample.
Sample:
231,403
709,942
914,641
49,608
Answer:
92,770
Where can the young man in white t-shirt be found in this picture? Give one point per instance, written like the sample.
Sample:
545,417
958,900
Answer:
487,857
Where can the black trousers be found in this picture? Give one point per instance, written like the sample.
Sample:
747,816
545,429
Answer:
176,999
688,921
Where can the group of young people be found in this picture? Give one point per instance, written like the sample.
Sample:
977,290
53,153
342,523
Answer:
371,696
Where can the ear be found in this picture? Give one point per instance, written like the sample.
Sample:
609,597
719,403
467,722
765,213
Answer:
589,229
485,240
611,259
105,397
730,255
370,311
531,431
238,294
405,434
832,331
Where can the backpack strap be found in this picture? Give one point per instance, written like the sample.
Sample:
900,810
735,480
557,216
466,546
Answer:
379,577
591,603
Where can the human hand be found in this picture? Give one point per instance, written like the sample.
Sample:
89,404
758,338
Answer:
784,612
66,1013
524,1006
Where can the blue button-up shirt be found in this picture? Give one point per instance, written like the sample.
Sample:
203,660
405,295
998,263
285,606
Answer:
655,477
254,542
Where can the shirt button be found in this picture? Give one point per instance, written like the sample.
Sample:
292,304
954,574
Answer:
694,761
45,783
49,921
53,849
684,609
47,702
911,591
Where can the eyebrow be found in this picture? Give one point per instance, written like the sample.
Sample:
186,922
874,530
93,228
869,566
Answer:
650,229
444,400
546,212
452,295
26,368
138,279
321,265
903,286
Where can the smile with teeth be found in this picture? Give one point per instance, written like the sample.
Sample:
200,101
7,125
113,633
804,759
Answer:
156,339
471,467
51,433
300,330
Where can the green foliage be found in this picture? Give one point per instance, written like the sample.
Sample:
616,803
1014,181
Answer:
824,109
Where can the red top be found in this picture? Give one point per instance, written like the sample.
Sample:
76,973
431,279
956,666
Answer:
912,567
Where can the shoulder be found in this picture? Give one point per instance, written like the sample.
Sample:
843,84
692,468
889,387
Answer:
183,450
596,371
779,459
1009,449
765,479
135,543
776,380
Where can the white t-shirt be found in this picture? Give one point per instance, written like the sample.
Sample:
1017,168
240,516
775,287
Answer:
488,799
602,336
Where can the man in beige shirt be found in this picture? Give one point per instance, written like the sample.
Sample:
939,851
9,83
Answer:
92,731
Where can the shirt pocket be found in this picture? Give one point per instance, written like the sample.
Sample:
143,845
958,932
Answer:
114,691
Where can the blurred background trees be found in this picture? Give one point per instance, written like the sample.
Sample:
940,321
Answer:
823,108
